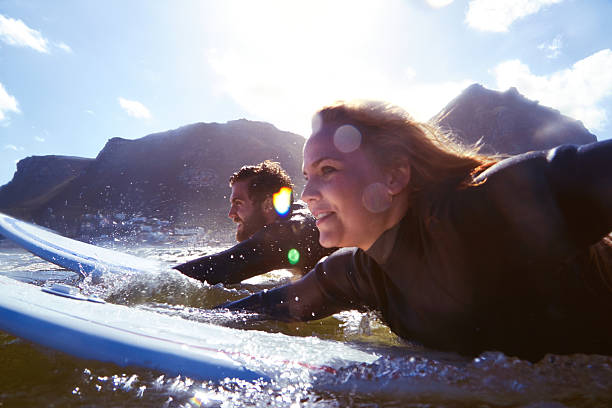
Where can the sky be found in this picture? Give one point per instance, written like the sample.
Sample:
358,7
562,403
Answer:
74,73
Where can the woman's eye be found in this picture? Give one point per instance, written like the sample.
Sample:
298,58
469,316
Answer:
327,170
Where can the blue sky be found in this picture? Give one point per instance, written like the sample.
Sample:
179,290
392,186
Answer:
74,73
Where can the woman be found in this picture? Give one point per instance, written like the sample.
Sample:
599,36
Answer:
456,250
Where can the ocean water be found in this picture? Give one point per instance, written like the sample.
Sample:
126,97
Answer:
405,374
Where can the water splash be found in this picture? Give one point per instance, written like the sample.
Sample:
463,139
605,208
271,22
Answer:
491,378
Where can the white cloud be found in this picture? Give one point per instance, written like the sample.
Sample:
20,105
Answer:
17,33
13,147
439,3
498,15
577,91
8,103
552,49
39,139
63,46
135,109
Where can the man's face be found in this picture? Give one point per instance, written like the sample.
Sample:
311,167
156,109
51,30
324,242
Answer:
248,215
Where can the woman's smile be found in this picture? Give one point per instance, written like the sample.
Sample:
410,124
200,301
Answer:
323,217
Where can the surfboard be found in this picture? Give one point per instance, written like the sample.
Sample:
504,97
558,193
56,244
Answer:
62,318
71,254
89,328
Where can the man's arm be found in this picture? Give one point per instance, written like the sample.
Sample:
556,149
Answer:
259,254
288,244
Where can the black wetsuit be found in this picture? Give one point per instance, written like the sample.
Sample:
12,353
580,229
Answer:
502,265
266,250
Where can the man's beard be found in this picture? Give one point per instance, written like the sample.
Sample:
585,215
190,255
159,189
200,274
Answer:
250,225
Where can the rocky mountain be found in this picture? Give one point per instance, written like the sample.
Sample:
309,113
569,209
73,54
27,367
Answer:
40,176
507,122
176,178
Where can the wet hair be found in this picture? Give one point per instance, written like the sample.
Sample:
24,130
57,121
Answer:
265,179
393,138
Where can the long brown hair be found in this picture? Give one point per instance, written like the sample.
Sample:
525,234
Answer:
393,138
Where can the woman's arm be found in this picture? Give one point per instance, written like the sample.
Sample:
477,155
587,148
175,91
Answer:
325,290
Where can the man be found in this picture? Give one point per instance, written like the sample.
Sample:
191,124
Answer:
269,238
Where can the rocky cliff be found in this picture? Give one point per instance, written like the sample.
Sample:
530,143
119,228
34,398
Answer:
507,122
40,177
177,178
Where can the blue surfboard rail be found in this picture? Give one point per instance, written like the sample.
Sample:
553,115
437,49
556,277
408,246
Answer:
71,254
66,325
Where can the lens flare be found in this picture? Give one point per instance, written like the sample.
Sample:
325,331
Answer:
294,256
317,123
376,198
282,201
347,138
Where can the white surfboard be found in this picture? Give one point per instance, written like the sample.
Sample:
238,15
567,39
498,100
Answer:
87,328
63,319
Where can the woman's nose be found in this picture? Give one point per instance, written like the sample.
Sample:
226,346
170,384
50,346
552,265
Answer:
310,192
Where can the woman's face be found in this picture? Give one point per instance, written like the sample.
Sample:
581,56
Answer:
345,189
